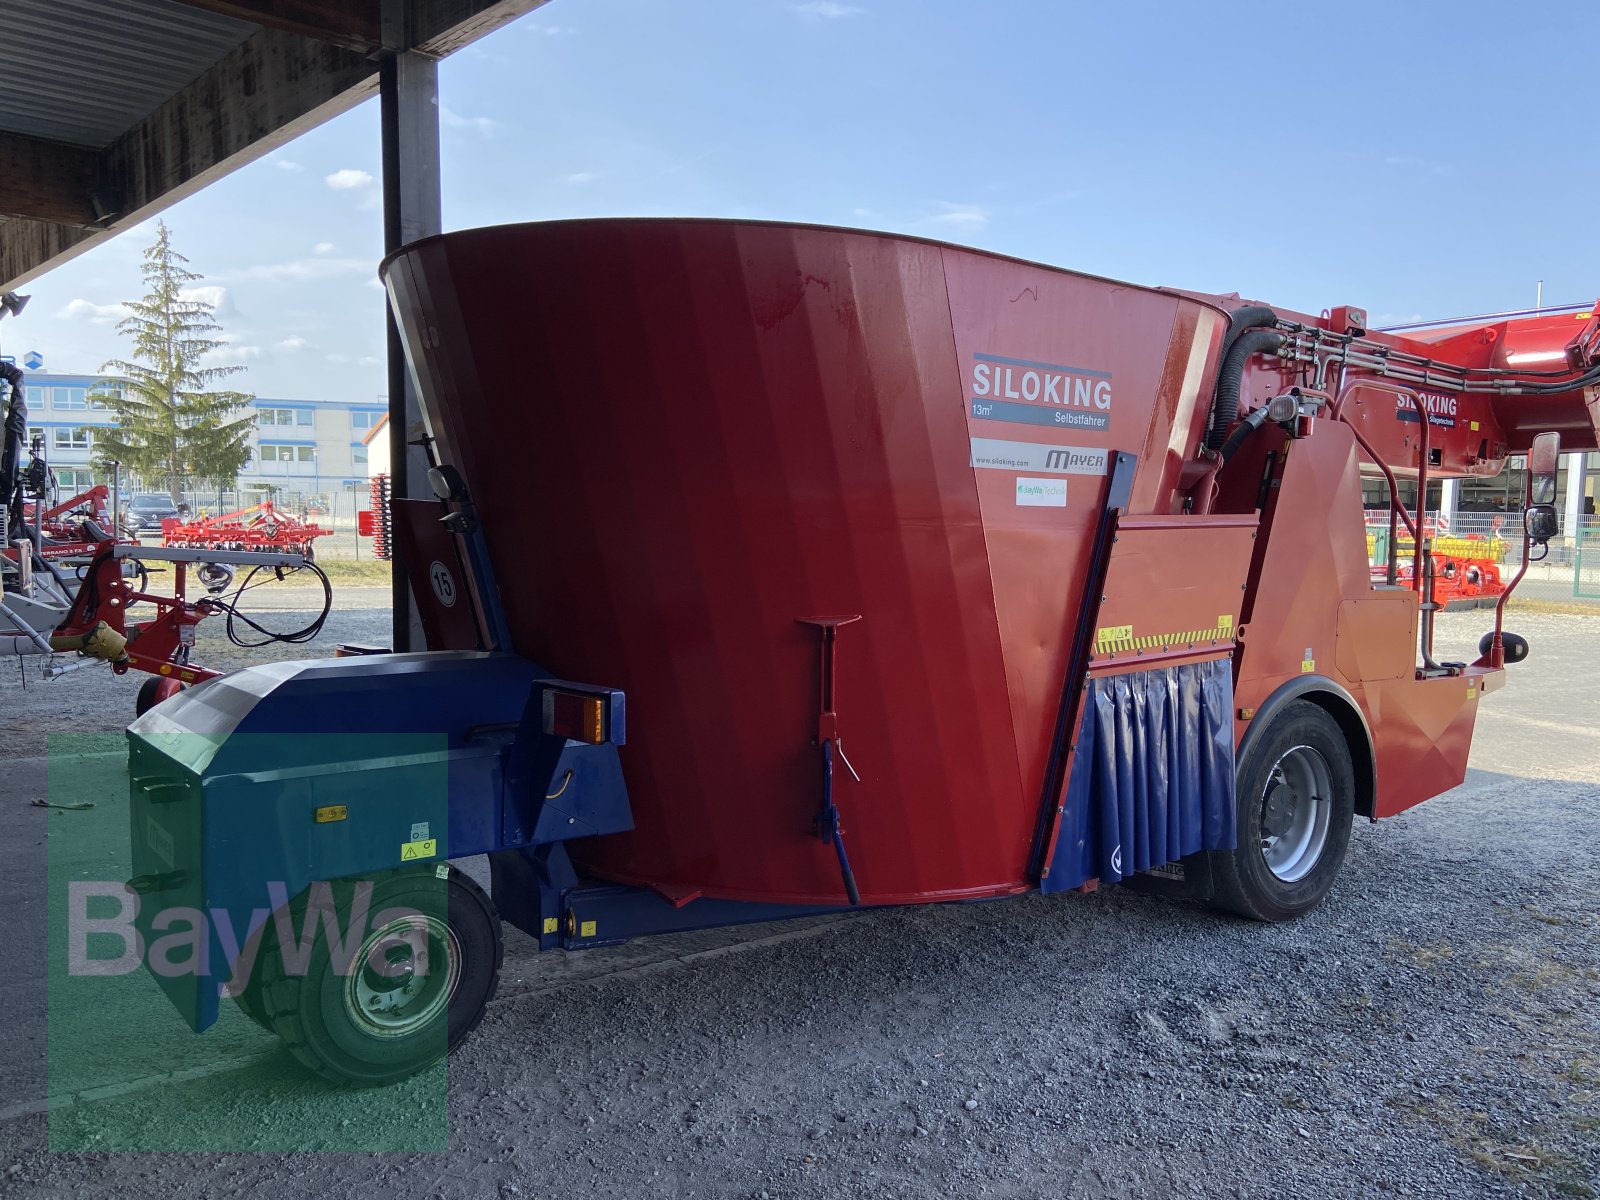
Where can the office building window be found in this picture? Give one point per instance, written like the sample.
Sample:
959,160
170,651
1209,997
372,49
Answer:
69,399
285,416
78,438
358,455
287,454
364,420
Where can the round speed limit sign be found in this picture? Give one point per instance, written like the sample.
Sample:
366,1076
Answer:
444,583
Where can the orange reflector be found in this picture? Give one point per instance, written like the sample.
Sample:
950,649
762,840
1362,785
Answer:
330,812
575,716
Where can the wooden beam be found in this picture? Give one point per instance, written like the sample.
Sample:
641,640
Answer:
47,181
29,248
352,24
441,27
265,92
258,96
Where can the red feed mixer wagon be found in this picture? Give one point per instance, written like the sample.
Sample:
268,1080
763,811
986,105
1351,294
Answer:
780,569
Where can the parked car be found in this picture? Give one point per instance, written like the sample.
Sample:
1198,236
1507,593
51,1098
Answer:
146,511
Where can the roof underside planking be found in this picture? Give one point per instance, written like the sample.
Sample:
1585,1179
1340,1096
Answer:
112,110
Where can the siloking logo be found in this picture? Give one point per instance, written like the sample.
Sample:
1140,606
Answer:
1039,393
1441,410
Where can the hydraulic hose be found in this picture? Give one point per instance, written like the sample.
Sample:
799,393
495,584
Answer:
1225,404
1242,432
1251,316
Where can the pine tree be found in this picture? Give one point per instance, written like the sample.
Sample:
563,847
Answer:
172,427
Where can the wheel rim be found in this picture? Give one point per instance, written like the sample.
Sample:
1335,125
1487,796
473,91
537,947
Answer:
403,976
1296,812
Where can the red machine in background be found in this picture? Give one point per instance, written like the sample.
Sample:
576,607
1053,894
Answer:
1466,566
64,534
261,527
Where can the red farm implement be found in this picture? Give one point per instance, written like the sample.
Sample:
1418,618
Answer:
261,527
1466,567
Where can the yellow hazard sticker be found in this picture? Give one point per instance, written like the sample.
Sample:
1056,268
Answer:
552,924
1120,639
1112,634
1307,666
587,929
411,851
1471,691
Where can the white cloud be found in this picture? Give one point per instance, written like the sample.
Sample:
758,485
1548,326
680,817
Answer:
298,269
284,164
217,297
368,360
960,216
97,314
551,30
348,179
324,248
827,10
578,177
296,342
304,269
482,126
230,352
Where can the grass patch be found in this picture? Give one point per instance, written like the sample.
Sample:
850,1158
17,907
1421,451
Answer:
1517,1159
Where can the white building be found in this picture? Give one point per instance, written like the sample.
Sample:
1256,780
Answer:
301,450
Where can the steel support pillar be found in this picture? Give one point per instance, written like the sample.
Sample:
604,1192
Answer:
1572,519
1449,499
408,89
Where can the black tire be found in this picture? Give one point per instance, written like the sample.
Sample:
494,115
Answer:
250,1003
1278,770
311,1010
150,694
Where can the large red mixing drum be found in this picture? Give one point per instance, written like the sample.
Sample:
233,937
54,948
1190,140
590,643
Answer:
694,436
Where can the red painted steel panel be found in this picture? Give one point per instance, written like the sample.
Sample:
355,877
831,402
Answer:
708,430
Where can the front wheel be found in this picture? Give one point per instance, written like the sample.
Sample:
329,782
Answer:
153,691
425,967
1296,800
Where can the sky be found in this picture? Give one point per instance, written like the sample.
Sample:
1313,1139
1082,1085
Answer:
1419,159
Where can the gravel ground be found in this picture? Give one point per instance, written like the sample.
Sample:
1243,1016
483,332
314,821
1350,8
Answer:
1432,1030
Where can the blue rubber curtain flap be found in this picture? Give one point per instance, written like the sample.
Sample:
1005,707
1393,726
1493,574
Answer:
1152,780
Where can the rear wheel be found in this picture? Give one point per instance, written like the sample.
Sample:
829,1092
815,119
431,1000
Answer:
426,966
1296,800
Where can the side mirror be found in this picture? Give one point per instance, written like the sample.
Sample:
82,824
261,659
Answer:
1543,459
1540,522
